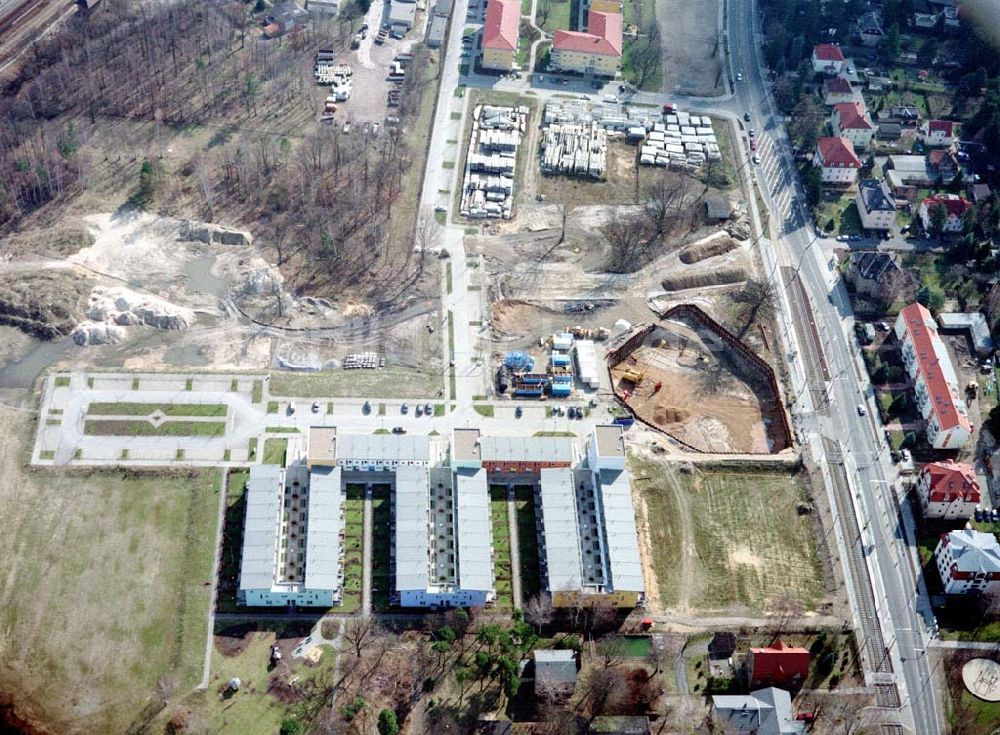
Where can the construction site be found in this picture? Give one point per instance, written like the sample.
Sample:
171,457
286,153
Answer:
691,379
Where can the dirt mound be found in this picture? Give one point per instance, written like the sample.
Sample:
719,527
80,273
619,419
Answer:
46,305
664,415
232,640
717,277
707,249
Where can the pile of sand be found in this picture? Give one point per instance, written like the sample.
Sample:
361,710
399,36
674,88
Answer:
664,415
112,309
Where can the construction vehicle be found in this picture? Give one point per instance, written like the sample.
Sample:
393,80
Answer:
633,376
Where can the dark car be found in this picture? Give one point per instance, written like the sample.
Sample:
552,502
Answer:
398,430
518,412
746,117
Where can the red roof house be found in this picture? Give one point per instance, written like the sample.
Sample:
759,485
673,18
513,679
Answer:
940,132
500,29
778,664
851,115
828,52
948,490
954,205
837,89
837,160
603,36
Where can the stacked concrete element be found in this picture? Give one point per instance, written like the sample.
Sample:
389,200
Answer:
682,141
488,185
576,149
610,115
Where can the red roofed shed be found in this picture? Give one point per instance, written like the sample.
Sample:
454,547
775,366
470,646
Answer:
778,664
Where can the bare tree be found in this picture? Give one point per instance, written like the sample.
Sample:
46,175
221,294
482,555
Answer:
757,299
626,236
787,609
611,651
603,689
360,631
538,610
646,55
665,199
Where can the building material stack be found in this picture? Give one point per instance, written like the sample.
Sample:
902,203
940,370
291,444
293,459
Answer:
682,141
488,186
576,149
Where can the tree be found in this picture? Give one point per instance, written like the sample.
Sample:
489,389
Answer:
625,235
807,117
603,690
814,185
758,298
889,46
538,610
360,631
290,726
938,216
665,200
387,724
462,676
645,56
611,651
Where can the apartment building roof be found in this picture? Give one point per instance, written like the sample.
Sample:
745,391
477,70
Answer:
502,25
603,36
949,481
852,116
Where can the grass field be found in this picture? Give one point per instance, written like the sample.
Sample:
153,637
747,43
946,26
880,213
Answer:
135,427
274,451
167,409
726,541
501,547
232,541
265,697
106,588
353,539
390,381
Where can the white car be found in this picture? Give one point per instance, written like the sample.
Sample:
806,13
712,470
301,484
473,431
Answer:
756,159
739,76
862,411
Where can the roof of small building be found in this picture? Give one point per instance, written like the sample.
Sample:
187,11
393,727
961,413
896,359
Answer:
603,36
874,266
869,22
852,116
837,85
955,206
973,551
978,192
972,321
946,127
779,662
555,667
610,440
936,158
828,52
950,480
762,712
502,25
837,152
876,196
465,444
527,449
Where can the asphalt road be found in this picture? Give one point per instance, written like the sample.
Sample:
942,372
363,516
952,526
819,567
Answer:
902,604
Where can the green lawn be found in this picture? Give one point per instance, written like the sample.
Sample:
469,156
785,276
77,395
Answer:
106,590
710,550
123,427
392,380
232,540
484,410
167,409
265,698
501,547
559,15
274,451
353,538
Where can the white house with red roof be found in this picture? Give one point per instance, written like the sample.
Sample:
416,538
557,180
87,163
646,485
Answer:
939,133
596,52
837,160
948,490
827,58
837,90
850,120
935,383
501,30
953,204
968,561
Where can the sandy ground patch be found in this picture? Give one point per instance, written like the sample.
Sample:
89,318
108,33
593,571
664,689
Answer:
692,49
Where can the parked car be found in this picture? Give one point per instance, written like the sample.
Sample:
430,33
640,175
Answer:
746,117
420,410
404,408
739,76
367,408
428,409
518,412
752,132
978,514
756,159
315,407
398,430
862,411
753,145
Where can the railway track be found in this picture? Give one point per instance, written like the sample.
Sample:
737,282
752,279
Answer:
21,23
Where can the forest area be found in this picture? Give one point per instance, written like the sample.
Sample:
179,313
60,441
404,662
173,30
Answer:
185,110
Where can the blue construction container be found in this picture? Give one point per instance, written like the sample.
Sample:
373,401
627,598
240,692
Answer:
625,421
561,390
529,391
519,361
563,378
560,361
533,378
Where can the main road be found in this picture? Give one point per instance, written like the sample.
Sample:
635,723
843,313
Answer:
874,530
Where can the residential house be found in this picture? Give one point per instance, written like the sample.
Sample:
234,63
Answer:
968,561
778,664
954,205
876,204
943,163
905,115
285,17
555,673
876,275
837,160
948,490
925,21
596,52
936,385
850,120
938,133
437,24
827,58
870,28
837,90
501,31
762,712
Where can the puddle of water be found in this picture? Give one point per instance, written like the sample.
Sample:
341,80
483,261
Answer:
21,373
198,272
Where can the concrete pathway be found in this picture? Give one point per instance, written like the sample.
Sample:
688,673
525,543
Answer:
216,563
966,645
515,551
